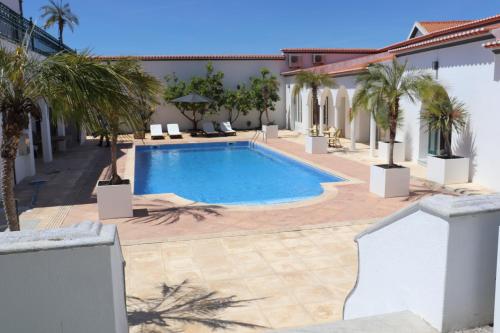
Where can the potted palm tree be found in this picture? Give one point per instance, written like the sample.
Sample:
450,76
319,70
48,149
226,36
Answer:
135,89
380,90
315,143
445,115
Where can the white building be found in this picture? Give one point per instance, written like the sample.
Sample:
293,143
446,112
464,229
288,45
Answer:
463,55
42,136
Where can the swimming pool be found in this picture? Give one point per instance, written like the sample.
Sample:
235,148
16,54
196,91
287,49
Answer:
226,173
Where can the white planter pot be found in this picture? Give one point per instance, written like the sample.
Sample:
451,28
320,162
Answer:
448,170
316,144
389,183
271,131
399,151
114,201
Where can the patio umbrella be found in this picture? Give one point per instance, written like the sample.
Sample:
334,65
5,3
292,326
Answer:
192,98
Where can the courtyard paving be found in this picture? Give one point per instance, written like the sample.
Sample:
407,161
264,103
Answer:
241,268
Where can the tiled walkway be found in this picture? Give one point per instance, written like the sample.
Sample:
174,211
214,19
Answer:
295,278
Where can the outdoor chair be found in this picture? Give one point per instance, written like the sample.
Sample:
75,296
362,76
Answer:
209,130
226,128
173,131
334,138
156,131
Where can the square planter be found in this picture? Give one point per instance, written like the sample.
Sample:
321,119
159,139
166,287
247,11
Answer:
448,170
399,151
389,183
114,201
316,144
271,131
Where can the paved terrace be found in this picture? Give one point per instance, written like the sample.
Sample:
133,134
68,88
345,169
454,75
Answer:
291,264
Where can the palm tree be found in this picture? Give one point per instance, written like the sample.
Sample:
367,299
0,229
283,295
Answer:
72,84
314,81
138,90
380,90
60,14
443,114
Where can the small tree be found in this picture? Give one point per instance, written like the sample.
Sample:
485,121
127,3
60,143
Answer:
313,81
60,14
211,86
443,114
137,89
380,90
237,102
265,93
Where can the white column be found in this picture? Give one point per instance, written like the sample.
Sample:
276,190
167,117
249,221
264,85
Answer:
373,135
45,129
353,132
61,132
83,135
321,115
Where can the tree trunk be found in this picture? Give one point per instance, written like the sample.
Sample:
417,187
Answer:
315,105
10,142
393,125
115,179
447,144
260,119
9,202
61,28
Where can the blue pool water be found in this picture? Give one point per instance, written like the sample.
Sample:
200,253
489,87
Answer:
226,173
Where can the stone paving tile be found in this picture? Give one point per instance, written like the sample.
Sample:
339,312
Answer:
291,279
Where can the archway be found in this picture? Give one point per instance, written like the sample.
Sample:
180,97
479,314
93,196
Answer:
342,107
327,107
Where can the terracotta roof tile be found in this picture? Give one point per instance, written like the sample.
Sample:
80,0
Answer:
329,50
198,57
433,26
492,45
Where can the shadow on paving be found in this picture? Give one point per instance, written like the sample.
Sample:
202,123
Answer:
183,304
164,212
69,179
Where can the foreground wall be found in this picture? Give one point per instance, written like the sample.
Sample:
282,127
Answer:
468,72
437,259
235,72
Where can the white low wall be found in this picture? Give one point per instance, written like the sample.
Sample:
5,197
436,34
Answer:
62,280
437,259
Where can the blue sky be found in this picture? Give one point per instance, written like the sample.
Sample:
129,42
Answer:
152,27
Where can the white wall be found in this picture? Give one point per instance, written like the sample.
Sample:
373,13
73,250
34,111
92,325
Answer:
437,259
468,72
235,72
62,280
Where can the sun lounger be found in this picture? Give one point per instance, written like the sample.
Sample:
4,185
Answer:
156,131
173,131
209,130
225,127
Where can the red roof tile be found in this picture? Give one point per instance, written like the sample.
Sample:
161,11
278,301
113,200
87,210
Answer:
433,26
329,50
492,45
197,57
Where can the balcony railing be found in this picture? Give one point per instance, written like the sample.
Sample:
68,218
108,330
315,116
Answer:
14,27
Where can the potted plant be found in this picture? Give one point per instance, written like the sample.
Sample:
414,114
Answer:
315,143
445,114
264,90
383,145
380,90
135,89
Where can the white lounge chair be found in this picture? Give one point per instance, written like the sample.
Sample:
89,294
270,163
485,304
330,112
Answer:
225,127
156,131
209,130
173,131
